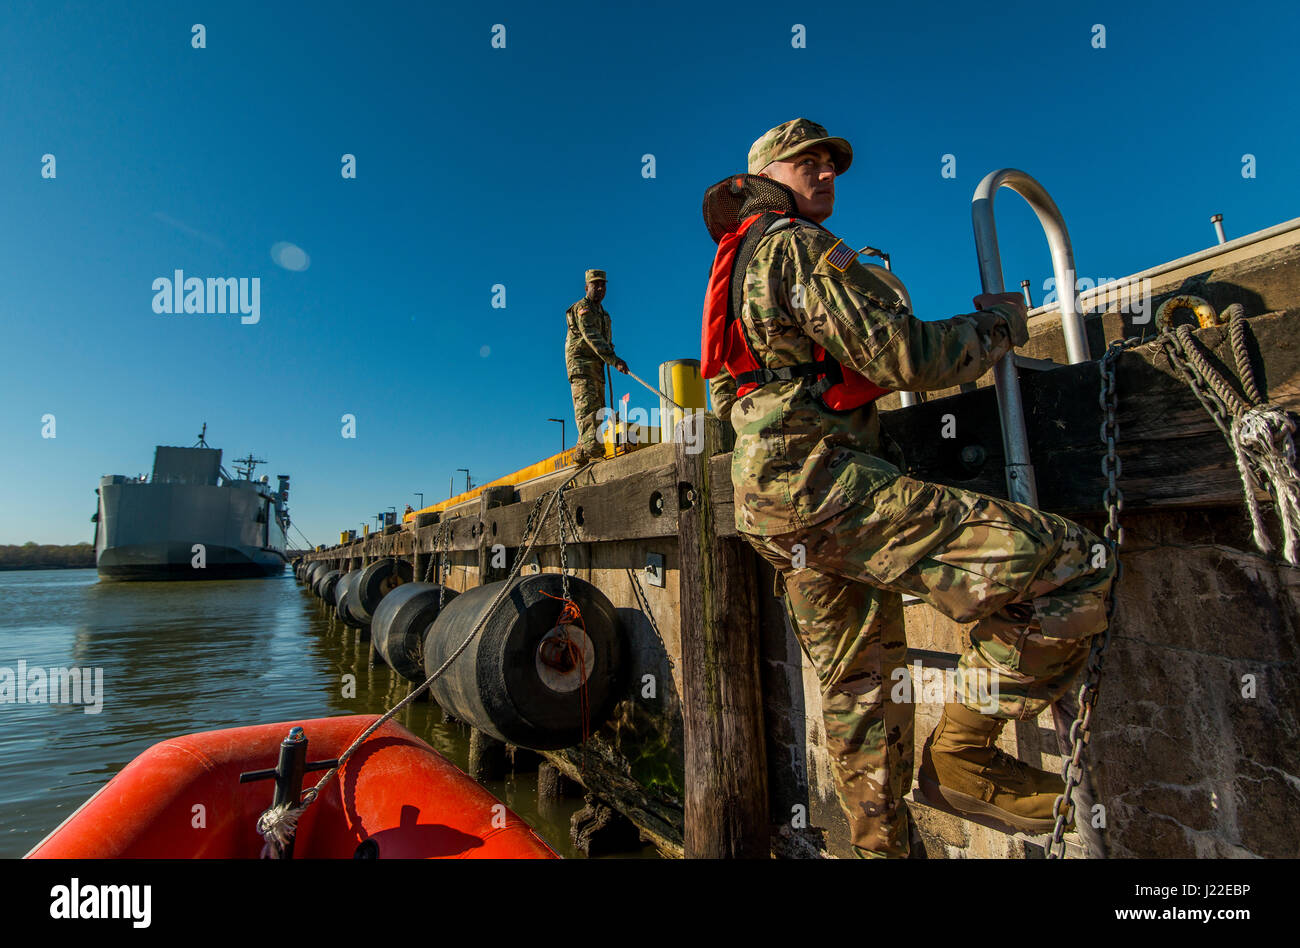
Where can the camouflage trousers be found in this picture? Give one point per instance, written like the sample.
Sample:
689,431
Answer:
588,390
1035,585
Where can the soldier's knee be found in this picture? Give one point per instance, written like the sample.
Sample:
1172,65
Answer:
1085,562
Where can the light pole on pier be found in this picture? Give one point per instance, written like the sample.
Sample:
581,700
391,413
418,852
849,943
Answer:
420,494
466,470
564,442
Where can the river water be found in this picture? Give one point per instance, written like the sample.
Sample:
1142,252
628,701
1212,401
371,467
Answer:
182,657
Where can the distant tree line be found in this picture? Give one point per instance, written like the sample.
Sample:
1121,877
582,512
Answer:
33,555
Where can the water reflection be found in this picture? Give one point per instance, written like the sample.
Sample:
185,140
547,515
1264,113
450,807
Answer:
179,658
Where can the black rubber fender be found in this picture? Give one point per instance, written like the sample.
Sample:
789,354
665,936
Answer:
329,585
314,573
376,581
401,623
318,584
500,685
344,595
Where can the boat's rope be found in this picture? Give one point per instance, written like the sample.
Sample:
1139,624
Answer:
1260,434
276,824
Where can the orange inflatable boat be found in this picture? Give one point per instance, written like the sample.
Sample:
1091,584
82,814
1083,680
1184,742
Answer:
200,796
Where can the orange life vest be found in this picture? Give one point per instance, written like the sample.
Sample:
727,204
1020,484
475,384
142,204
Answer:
723,343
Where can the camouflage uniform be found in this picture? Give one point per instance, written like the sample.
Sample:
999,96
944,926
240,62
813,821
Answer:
722,394
823,489
588,348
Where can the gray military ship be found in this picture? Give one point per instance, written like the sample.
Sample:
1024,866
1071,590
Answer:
191,519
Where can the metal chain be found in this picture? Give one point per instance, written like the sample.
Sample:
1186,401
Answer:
532,520
644,602
433,554
440,557
1173,346
1179,346
444,561
1112,499
1221,386
564,516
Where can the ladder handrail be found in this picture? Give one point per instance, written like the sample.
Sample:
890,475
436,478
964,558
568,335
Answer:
1021,484
1058,242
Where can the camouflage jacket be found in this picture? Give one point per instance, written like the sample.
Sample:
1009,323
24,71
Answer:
589,341
797,462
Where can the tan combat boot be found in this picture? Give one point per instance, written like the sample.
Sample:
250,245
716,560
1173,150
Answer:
961,767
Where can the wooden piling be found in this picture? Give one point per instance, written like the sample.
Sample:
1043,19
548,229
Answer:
491,497
487,757
422,558
552,784
726,806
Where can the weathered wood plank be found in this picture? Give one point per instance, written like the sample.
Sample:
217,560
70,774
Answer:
1170,450
639,506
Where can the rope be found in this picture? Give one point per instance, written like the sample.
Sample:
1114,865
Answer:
1192,352
277,824
1262,436
1240,353
310,545
1259,434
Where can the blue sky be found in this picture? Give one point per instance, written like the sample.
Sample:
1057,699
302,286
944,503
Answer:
522,166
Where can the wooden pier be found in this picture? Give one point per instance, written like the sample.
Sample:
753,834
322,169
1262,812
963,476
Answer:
717,750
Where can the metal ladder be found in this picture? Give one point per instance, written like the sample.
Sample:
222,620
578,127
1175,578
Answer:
1021,485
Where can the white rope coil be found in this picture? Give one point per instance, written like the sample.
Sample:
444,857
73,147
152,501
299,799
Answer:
277,826
1262,441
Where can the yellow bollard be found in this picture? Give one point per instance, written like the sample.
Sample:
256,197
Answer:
681,381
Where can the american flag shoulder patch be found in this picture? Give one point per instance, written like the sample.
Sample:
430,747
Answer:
840,256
